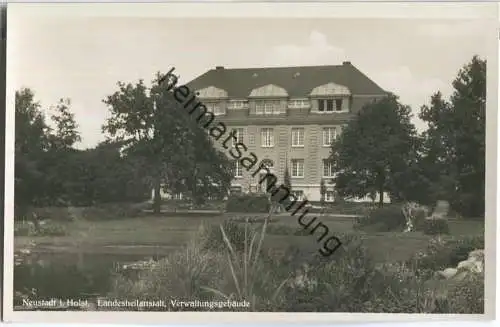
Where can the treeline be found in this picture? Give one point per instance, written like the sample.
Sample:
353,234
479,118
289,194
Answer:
381,151
149,146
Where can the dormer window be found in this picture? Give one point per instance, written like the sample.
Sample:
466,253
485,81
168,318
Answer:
237,104
215,108
267,107
298,103
330,105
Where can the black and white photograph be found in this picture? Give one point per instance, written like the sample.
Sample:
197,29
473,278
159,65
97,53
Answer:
203,158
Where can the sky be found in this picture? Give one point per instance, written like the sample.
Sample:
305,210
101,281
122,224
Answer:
82,58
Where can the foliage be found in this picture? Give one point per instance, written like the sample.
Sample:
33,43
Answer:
286,230
454,147
435,226
442,254
48,229
375,149
249,203
383,219
151,127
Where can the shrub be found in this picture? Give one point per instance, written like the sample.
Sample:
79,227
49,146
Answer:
211,238
47,229
435,227
113,211
383,219
441,254
248,203
182,274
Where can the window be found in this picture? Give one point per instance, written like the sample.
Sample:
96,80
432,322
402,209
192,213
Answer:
321,105
330,196
329,105
329,135
298,104
267,137
238,172
215,108
338,104
328,170
237,104
298,194
267,107
239,135
297,167
297,137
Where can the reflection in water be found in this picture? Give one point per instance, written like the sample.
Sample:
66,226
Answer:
67,276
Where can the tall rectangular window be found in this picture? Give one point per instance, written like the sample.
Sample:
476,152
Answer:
328,170
297,167
297,137
329,105
239,135
321,105
238,171
338,104
267,137
330,196
329,135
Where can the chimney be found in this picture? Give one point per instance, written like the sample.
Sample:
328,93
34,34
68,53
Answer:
345,63
219,67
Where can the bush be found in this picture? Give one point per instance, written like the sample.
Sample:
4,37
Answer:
384,219
210,236
248,203
113,211
441,254
47,229
435,227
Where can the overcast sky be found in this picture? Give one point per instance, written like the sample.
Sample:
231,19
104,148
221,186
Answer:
83,58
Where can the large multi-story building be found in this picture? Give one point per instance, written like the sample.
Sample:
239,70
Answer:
288,117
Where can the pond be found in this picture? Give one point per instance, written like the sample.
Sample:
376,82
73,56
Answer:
67,275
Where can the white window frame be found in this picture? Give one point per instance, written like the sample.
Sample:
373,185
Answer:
238,169
331,136
328,164
299,194
298,167
329,193
215,108
237,104
298,140
240,132
298,103
267,107
267,137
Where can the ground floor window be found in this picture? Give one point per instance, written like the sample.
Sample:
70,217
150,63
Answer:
298,194
330,196
236,190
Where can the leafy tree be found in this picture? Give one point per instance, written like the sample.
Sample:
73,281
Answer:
66,130
174,150
455,140
31,140
374,150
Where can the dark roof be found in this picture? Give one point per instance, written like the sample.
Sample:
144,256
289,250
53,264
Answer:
298,81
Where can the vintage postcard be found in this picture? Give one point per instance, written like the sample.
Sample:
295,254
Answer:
250,162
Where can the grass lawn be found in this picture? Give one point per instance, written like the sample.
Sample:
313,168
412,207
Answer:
159,234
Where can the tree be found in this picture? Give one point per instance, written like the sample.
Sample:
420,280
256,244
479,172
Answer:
374,150
31,140
455,140
66,130
174,150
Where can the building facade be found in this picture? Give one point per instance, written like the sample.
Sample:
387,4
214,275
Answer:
288,117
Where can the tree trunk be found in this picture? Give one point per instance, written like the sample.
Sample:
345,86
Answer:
381,196
157,196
